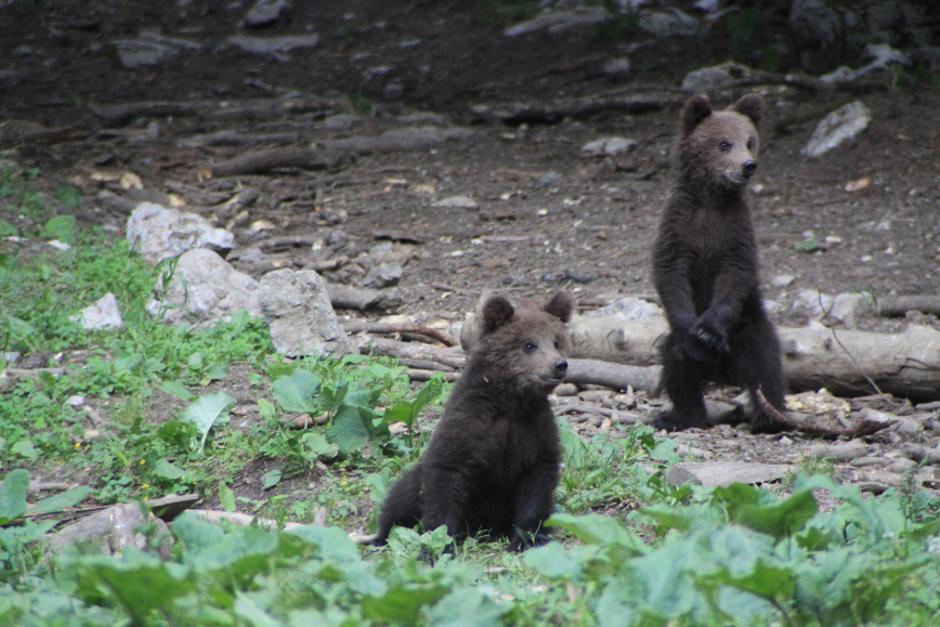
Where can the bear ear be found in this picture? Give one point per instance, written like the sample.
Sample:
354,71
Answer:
752,106
695,109
560,306
497,311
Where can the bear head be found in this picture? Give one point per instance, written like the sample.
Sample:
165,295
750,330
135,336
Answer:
524,346
719,148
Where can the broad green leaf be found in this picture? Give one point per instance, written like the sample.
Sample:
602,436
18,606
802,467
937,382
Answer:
166,469
226,498
781,519
553,561
297,392
350,428
407,411
248,611
58,502
266,409
402,603
138,582
593,529
613,606
216,371
61,228
206,411
13,496
25,448
314,446
69,196
332,541
270,479
466,607
668,518
768,582
177,389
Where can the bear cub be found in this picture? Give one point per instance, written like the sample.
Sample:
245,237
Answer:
493,461
705,269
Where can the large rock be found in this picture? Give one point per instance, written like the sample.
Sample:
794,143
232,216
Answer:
297,307
159,233
150,49
841,126
714,77
204,289
669,22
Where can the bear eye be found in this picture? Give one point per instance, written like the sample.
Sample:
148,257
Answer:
724,145
750,144
557,345
529,347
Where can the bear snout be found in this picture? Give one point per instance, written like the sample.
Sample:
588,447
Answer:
561,367
748,168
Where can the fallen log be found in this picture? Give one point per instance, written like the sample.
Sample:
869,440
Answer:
612,375
452,357
331,152
823,424
541,112
119,113
387,327
846,362
900,305
362,298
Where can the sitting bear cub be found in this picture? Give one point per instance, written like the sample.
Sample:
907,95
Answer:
493,461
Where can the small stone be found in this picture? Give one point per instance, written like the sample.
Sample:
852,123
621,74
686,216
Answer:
841,126
385,274
340,122
75,401
59,245
548,179
908,426
158,232
869,460
559,21
265,12
566,389
457,202
274,45
713,77
901,465
608,146
782,280
104,314
840,452
669,22
617,68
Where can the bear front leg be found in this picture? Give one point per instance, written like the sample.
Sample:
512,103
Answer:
534,503
444,496
402,505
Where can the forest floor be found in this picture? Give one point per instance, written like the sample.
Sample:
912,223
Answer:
546,215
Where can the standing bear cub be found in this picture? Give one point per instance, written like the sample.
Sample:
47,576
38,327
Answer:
706,272
493,461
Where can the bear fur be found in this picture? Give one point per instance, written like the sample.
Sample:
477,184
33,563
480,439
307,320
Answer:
493,461
705,269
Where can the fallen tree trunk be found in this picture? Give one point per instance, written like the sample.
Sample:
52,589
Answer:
906,364
362,298
612,375
900,305
551,112
119,113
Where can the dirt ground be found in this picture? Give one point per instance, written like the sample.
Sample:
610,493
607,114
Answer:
547,216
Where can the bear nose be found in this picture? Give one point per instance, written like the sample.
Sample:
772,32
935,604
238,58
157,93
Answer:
749,166
561,366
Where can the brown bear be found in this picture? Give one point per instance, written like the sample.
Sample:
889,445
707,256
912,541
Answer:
493,461
706,272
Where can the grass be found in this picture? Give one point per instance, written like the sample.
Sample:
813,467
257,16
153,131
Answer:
177,409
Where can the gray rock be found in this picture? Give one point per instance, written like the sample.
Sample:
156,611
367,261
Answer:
842,125
457,202
617,68
608,146
840,452
548,179
340,122
386,274
297,307
158,232
713,77
274,45
629,308
264,12
559,21
711,474
901,465
203,289
847,308
109,531
669,22
150,49
814,302
104,314
782,280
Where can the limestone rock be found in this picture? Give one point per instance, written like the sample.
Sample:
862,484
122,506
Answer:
386,274
711,474
457,202
203,290
669,22
713,77
274,45
608,146
104,314
841,126
264,12
158,232
840,452
559,21
297,307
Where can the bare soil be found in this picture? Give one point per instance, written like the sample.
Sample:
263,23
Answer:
547,217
